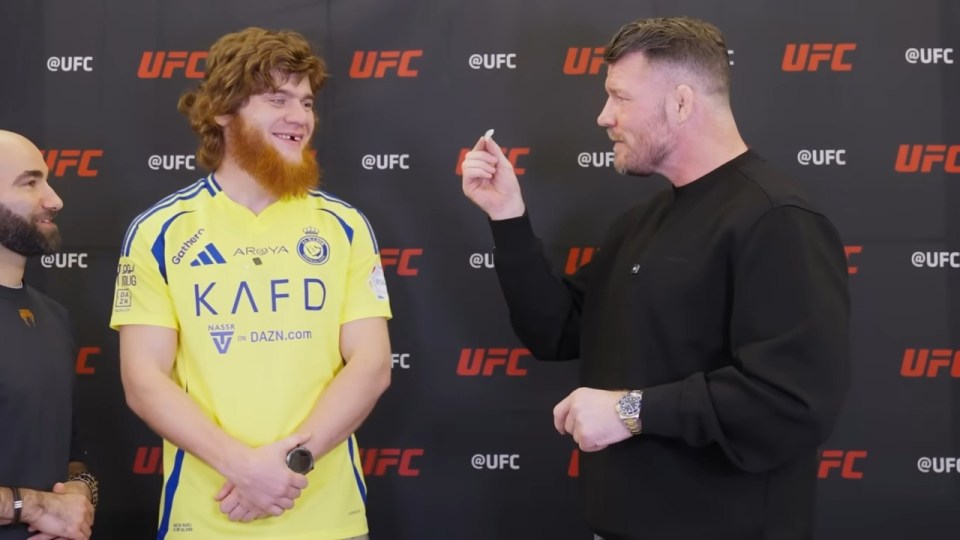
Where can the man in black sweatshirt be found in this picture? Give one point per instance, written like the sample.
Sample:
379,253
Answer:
712,325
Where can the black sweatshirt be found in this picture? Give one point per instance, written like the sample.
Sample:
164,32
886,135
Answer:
726,302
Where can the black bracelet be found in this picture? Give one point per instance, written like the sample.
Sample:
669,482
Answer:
17,505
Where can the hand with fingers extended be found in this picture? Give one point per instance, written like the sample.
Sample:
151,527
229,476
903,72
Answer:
259,483
237,509
489,181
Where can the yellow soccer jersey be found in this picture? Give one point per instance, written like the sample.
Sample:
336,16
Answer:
258,301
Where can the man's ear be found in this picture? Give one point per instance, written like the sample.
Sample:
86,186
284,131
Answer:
682,101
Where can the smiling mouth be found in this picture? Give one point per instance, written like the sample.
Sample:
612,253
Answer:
288,137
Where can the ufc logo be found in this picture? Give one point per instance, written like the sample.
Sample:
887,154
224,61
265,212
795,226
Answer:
493,61
913,158
929,362
577,257
482,260
807,57
171,162
842,460
385,162
163,64
496,462
64,260
821,157
401,259
920,259
474,362
513,156
149,460
595,159
377,462
850,251
573,469
583,61
69,63
58,161
399,359
376,63
929,55
938,465
83,355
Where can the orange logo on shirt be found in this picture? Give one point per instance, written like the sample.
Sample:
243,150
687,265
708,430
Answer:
27,317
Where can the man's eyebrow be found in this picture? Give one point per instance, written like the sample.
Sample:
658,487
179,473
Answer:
29,174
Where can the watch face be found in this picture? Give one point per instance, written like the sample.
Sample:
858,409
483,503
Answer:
630,405
299,460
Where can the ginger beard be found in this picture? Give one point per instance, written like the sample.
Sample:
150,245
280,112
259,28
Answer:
277,174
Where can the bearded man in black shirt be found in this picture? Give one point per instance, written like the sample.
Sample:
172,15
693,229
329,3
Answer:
712,324
45,491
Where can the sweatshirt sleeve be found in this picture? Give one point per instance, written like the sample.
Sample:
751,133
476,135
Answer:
789,369
544,308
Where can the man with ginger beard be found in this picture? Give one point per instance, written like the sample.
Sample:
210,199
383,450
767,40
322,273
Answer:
44,488
252,313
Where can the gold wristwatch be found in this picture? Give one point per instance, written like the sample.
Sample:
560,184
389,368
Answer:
629,410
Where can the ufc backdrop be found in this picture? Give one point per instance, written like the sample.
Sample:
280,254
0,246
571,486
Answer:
857,100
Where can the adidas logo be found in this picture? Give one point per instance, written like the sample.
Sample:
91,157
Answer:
209,255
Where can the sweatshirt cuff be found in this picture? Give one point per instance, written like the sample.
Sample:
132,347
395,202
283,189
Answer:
660,412
513,235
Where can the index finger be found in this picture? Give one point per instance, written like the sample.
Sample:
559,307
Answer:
560,415
481,144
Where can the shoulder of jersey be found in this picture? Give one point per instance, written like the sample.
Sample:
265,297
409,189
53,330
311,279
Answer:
326,201
177,203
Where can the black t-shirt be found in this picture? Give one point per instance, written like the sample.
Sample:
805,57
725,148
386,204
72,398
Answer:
36,393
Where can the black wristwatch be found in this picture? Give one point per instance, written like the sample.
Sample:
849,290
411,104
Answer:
300,460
